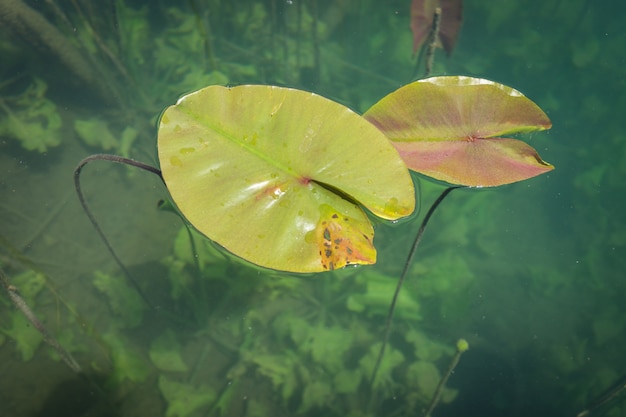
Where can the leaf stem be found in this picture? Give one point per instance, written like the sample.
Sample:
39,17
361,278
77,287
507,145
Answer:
433,37
94,222
405,270
461,346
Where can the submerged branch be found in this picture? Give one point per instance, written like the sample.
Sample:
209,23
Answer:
403,275
21,305
433,39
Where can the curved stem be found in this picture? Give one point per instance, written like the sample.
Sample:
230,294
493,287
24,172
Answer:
405,270
83,202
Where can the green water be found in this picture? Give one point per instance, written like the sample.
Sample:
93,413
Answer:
531,274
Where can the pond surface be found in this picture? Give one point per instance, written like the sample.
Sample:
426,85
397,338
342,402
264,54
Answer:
530,274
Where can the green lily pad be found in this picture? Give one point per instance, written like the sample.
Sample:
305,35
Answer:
276,175
448,128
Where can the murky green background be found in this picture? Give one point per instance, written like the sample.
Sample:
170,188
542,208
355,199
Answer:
531,274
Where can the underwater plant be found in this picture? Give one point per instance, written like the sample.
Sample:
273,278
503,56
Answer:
31,118
424,19
22,291
259,171
449,128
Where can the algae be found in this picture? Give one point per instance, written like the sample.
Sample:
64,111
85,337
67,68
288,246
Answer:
184,399
124,301
31,118
165,353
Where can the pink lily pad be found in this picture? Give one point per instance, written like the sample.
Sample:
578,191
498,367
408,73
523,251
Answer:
450,128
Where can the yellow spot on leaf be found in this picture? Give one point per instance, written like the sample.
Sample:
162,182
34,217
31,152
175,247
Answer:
343,240
174,160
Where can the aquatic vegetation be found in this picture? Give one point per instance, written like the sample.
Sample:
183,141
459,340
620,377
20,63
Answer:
513,44
26,336
274,159
378,290
449,128
30,284
96,133
422,12
165,353
24,21
424,378
184,399
425,348
270,161
31,118
307,360
125,303
441,392
128,362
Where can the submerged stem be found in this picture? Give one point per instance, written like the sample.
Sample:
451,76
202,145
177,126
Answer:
83,202
433,37
21,305
461,346
405,270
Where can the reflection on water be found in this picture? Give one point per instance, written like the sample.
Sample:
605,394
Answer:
529,274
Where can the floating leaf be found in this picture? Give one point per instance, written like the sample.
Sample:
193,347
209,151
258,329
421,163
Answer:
260,169
447,128
341,240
